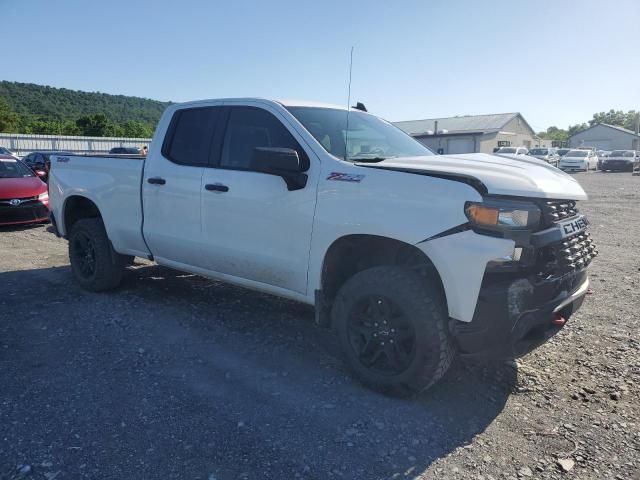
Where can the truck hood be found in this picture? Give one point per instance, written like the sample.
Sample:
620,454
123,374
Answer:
521,177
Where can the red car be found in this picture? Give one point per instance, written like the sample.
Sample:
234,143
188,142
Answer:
23,196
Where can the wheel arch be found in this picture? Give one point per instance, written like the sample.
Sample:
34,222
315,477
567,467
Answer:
350,254
77,207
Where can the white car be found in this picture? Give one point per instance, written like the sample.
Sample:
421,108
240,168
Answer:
512,151
410,257
579,160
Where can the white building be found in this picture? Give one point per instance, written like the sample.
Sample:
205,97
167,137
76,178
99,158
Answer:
472,133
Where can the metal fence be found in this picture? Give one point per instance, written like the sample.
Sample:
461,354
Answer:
22,144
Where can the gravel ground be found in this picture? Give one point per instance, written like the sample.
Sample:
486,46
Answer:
175,376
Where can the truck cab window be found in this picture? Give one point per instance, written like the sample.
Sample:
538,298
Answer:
249,128
190,134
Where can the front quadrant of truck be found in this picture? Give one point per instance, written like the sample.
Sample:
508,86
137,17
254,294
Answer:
410,257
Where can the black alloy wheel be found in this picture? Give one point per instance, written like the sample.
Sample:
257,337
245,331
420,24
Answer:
381,336
94,262
84,252
392,328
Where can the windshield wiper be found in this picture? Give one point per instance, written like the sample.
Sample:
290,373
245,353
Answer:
367,159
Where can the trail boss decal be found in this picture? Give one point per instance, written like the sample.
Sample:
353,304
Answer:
572,227
345,177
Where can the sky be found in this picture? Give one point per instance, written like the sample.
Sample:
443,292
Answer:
555,61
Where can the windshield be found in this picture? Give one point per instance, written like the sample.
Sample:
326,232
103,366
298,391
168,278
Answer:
506,150
622,153
539,151
577,153
14,169
369,137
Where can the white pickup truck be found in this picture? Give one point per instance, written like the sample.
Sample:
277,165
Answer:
409,256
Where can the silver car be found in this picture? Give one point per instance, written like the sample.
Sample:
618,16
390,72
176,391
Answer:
511,151
549,155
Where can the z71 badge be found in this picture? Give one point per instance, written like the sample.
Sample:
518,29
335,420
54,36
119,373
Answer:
345,177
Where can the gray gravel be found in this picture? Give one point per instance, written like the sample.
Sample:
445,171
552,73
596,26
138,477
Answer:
175,376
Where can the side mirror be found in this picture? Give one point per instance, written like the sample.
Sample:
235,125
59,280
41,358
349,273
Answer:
282,162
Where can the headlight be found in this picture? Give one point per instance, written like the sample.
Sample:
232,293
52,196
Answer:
497,214
43,197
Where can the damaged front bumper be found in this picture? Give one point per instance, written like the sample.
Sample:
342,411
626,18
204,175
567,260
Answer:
516,314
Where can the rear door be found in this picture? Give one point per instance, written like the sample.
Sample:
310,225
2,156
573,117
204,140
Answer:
254,228
172,185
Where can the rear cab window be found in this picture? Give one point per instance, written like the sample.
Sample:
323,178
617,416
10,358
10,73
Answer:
190,134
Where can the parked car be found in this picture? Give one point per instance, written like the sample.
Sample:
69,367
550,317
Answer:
125,151
579,160
563,151
23,196
549,155
620,160
408,256
512,151
40,162
6,152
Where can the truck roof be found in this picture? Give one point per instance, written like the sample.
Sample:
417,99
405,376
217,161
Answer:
284,102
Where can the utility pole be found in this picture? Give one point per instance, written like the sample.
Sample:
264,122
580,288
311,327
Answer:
637,139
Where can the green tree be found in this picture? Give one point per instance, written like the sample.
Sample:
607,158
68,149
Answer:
573,129
555,134
97,125
135,129
616,117
9,120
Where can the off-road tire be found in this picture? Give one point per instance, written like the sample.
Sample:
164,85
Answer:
423,303
108,264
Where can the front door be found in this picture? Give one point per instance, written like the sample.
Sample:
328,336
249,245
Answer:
172,186
254,227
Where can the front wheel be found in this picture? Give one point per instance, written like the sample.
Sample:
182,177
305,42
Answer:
392,326
96,266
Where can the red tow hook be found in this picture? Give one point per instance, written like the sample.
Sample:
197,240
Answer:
558,319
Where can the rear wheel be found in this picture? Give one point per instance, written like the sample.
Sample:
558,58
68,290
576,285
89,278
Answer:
392,328
95,265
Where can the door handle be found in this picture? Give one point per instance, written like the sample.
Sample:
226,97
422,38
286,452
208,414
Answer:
156,181
216,187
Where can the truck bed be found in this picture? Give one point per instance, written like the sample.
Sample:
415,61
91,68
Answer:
112,182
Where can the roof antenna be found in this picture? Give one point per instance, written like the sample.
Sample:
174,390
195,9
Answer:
346,134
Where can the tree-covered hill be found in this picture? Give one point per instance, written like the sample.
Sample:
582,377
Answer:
31,108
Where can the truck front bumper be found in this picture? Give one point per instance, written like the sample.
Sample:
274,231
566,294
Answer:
516,314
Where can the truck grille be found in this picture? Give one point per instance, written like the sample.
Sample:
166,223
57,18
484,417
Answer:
558,210
575,252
